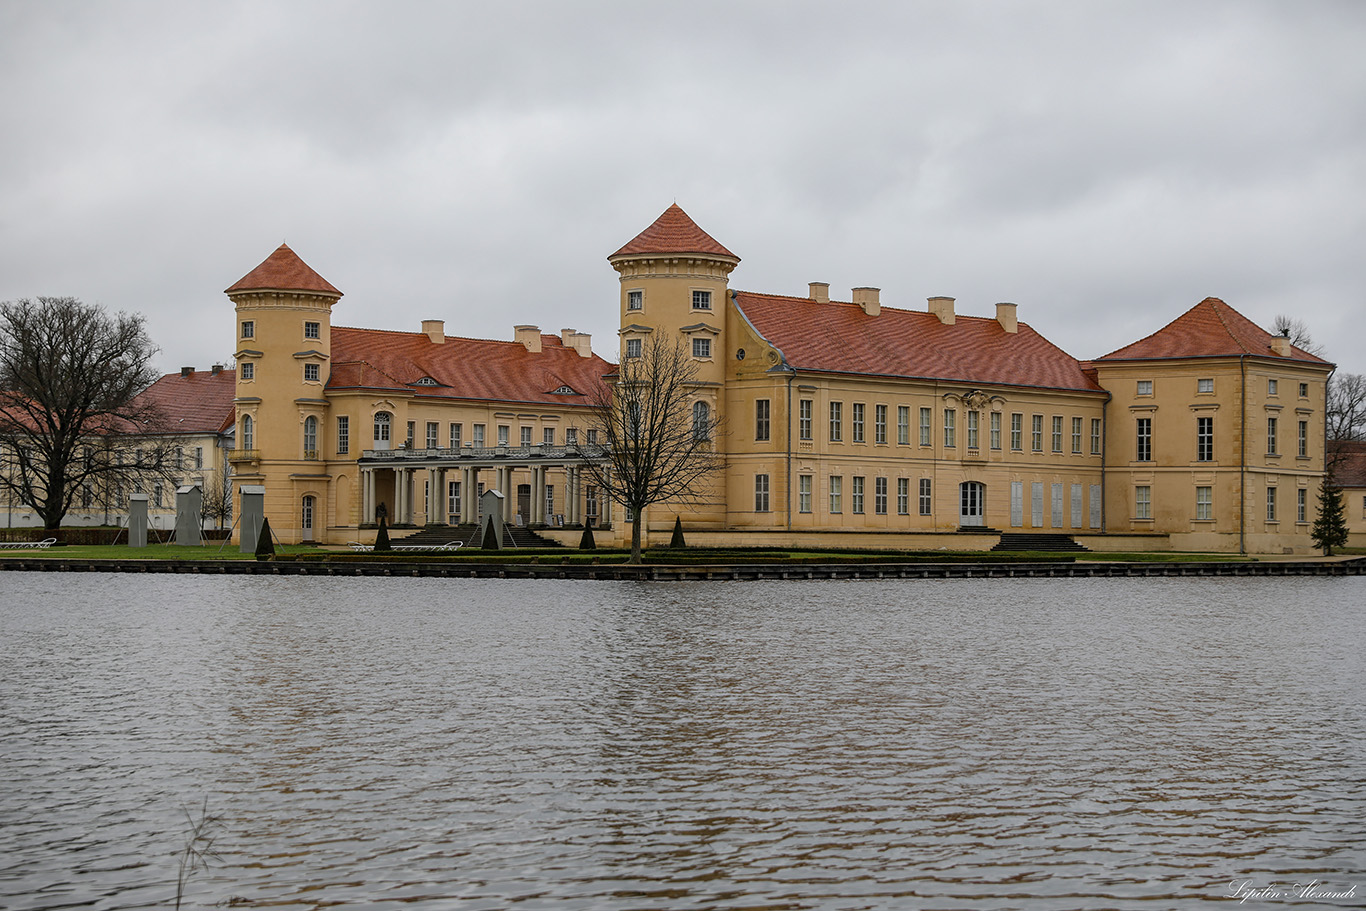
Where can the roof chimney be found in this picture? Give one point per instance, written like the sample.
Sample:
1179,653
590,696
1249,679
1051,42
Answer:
867,298
215,370
1280,345
529,336
942,307
1005,315
819,292
186,371
435,330
581,342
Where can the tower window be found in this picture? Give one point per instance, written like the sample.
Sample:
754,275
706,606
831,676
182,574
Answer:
312,330
635,300
248,371
701,300
311,373
701,347
248,329
633,347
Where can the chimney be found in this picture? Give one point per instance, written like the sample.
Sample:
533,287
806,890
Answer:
819,292
1005,315
435,330
867,298
1280,345
215,370
581,342
529,336
186,371
942,307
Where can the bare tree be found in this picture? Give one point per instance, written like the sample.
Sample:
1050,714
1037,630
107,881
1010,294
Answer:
70,414
1298,332
658,442
216,505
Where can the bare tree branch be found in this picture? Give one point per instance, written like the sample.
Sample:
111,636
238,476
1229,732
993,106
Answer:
70,378
658,440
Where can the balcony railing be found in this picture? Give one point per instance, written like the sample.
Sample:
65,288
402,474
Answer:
537,451
244,455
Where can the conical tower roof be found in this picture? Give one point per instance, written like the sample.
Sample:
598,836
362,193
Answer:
283,271
674,232
1209,329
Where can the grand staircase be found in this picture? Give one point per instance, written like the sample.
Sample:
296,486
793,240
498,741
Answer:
470,536
1039,542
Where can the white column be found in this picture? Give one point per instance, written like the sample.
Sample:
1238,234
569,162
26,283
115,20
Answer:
505,485
537,494
434,496
401,507
466,495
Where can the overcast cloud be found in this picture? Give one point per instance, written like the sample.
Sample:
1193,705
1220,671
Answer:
1104,165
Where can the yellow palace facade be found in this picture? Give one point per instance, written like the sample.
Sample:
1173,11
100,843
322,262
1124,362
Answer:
844,423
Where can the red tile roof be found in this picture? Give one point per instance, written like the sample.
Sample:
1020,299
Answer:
283,270
1351,470
1209,329
198,403
464,368
674,232
841,338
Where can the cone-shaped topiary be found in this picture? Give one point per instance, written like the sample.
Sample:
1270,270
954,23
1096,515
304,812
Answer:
677,539
265,547
490,539
382,537
586,541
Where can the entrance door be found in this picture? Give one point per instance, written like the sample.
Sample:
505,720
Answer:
524,503
306,520
972,499
382,430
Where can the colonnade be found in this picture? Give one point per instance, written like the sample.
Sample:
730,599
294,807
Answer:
407,494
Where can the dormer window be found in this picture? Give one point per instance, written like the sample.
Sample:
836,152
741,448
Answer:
564,390
426,381
701,300
635,300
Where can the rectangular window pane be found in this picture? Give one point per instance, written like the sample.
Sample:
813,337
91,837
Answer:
880,496
1076,436
433,434
1271,504
548,436
761,493
950,420
1143,506
973,418
701,300
343,435
1204,439
836,493
1057,433
924,427
1095,436
1301,505
1204,503
804,493
836,421
1036,433
1271,436
1144,430
880,424
1302,446
1016,432
856,495
903,425
804,419
455,436
996,430
478,435
701,347
524,436
761,420
903,496
858,422
925,504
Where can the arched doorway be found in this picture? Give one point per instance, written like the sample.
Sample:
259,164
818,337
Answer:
306,519
972,497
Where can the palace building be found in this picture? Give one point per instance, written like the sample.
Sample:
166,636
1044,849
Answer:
847,423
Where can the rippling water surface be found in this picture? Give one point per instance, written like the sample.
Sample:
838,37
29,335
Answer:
974,744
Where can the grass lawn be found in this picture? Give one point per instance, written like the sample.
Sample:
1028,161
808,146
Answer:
211,551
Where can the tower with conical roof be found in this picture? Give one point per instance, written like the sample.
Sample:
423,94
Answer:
283,348
674,278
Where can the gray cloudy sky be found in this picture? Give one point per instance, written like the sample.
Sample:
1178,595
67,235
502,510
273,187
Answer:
1104,165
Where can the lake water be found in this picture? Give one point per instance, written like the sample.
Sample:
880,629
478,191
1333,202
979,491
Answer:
470,744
